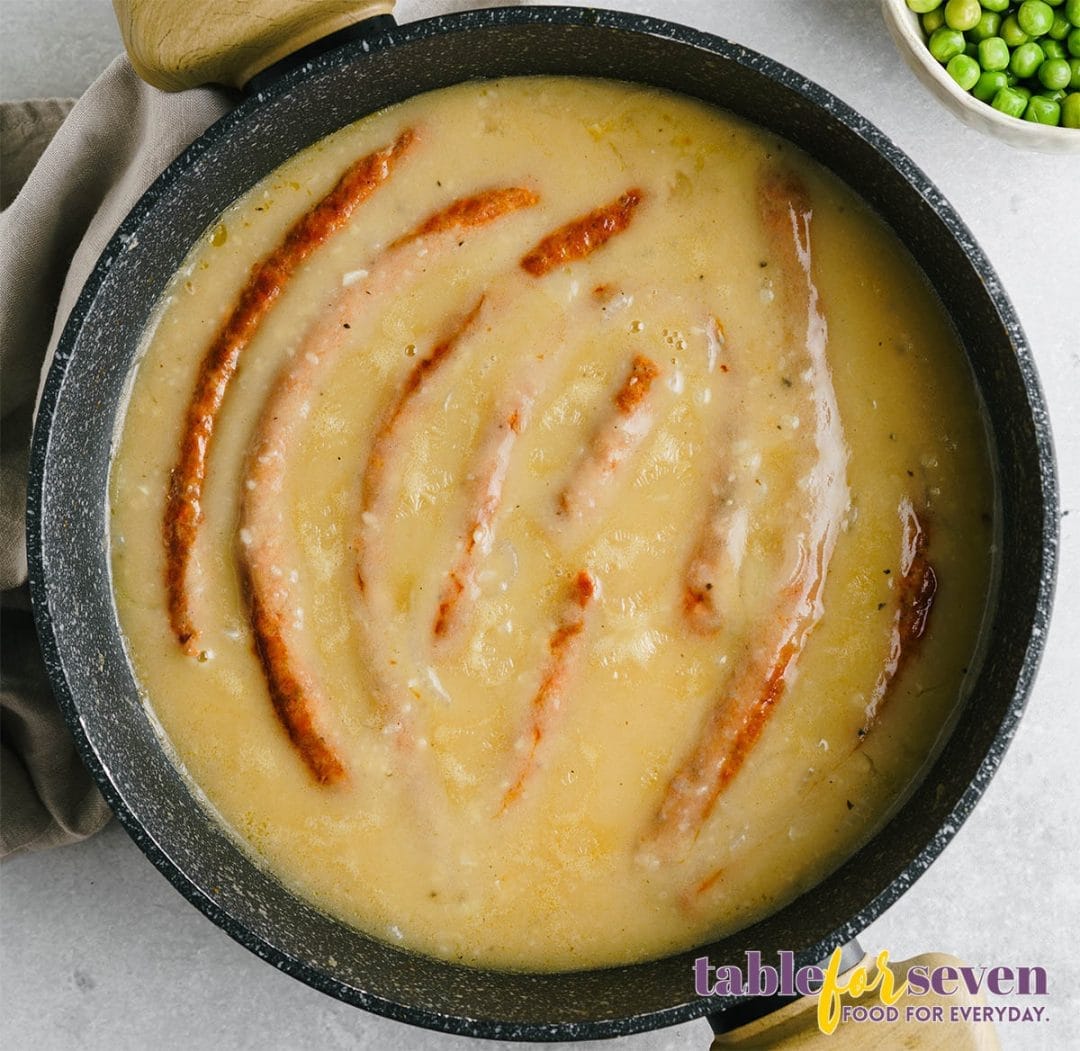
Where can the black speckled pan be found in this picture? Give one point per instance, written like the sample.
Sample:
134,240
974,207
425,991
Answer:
78,418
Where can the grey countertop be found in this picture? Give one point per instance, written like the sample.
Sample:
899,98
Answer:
98,951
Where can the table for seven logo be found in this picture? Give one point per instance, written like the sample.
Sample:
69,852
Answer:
761,979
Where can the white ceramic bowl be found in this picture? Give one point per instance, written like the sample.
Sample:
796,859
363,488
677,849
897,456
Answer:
907,34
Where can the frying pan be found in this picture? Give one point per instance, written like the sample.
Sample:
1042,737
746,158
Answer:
292,105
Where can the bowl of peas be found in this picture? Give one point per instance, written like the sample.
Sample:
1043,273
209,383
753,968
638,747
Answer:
1010,68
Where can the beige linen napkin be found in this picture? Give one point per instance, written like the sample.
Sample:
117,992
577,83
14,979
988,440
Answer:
63,196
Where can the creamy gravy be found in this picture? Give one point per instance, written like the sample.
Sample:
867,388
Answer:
583,543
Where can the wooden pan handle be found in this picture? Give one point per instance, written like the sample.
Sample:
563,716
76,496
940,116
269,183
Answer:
795,1026
178,44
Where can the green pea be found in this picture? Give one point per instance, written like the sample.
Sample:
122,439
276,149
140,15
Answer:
1072,43
1035,17
1070,110
988,85
1011,32
1043,111
920,7
994,54
1052,48
1054,73
1055,3
933,20
1060,29
964,70
1074,79
1010,102
996,5
1072,11
1023,91
946,42
962,14
986,27
1056,96
1026,59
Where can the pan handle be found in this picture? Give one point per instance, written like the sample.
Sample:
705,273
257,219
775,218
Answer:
926,1022
178,44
